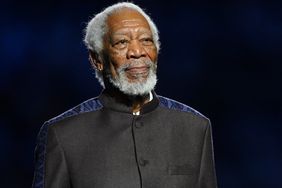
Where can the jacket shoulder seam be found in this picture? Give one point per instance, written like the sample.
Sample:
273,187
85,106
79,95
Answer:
175,105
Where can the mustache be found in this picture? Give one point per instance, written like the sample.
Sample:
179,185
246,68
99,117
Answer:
136,62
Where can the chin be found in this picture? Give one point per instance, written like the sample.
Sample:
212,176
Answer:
139,84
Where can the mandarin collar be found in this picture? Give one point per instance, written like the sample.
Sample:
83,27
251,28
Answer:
123,103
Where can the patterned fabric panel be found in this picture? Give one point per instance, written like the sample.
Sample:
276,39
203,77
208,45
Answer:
40,151
172,104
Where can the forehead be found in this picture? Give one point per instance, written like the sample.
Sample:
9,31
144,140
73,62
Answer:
126,18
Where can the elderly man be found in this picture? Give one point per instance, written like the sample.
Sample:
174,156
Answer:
128,137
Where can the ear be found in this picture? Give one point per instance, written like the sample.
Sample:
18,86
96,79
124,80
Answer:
96,61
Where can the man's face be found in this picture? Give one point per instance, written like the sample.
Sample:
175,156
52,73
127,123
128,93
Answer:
130,50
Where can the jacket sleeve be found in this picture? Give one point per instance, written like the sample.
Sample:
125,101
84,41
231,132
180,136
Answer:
207,176
51,169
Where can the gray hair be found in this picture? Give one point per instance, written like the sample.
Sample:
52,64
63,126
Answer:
97,27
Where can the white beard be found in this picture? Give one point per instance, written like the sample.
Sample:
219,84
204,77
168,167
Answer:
141,86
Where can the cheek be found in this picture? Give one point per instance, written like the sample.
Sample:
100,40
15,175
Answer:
113,70
117,58
152,53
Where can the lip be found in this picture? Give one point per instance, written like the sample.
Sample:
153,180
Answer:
137,69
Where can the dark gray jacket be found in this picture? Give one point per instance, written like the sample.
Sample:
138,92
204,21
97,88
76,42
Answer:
100,144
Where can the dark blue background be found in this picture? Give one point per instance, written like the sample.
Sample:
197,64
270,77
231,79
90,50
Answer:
222,58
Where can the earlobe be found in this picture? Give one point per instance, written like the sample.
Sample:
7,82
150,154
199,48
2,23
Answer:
99,66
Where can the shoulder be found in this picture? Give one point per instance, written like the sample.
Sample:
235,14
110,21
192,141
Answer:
178,106
89,105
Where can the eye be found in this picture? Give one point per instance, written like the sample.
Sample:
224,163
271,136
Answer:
147,41
121,43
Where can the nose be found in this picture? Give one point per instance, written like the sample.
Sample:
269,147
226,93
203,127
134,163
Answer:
135,50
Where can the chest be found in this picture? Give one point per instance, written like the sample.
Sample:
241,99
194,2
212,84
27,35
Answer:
135,151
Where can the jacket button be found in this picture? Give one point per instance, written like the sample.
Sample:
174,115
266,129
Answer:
139,124
143,162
